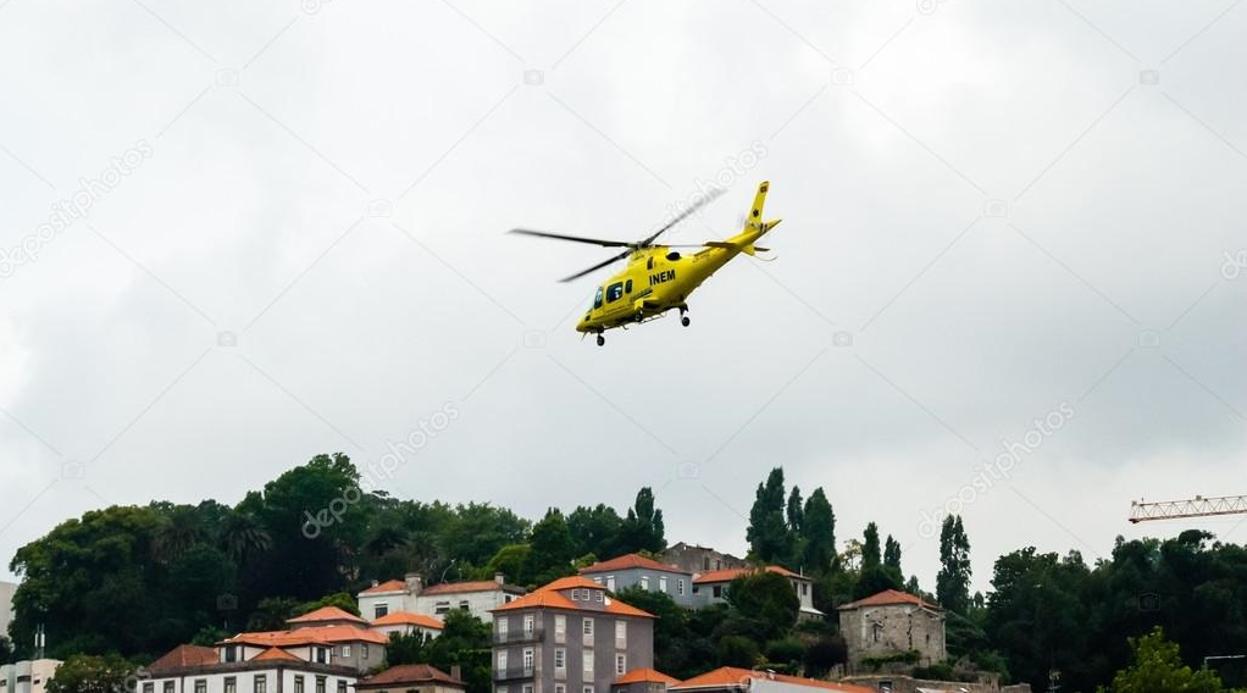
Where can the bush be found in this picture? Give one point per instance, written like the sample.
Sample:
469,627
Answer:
785,651
737,651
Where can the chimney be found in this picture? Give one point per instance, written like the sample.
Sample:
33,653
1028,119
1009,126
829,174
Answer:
500,578
455,671
415,583
374,583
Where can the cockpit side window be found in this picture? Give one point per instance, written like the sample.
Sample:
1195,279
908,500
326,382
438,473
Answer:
597,298
650,265
628,287
614,291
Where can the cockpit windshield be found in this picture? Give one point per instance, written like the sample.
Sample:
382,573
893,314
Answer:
597,298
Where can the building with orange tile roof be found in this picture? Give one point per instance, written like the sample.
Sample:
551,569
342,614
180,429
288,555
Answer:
890,623
413,677
569,636
736,680
711,588
411,595
643,681
637,571
407,623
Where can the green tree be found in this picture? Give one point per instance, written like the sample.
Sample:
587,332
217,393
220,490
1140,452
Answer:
595,530
818,533
952,583
769,540
642,529
795,512
1158,668
92,674
738,651
552,549
871,556
765,602
341,600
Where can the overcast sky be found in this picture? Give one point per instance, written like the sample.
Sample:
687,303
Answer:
994,212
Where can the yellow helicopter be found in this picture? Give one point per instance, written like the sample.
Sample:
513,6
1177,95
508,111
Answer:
657,277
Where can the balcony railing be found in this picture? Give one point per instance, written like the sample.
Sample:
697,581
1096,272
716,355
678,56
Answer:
520,635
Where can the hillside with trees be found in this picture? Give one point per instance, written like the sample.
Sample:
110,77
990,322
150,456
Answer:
134,581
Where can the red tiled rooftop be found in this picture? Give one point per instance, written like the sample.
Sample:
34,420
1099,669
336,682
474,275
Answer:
387,586
274,654
185,656
631,560
409,673
890,597
326,613
646,676
313,635
550,596
729,574
456,587
733,676
406,618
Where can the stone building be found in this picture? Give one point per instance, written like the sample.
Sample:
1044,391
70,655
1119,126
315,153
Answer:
692,558
891,624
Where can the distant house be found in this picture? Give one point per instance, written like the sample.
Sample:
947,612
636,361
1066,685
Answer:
711,588
413,678
635,570
569,636
27,676
692,558
324,651
407,623
890,623
734,680
411,595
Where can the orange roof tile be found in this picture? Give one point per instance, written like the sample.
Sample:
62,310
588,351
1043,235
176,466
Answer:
406,618
456,587
733,676
631,560
387,586
185,656
326,613
729,574
275,654
550,596
646,676
890,597
312,635
409,673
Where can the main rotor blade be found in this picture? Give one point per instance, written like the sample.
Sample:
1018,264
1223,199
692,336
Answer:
598,266
577,239
710,196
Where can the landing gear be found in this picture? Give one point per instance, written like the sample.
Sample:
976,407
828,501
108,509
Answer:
639,315
684,318
601,340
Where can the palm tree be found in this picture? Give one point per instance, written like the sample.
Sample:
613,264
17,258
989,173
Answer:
244,535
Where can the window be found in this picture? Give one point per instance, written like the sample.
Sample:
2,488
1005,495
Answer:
380,610
610,582
530,624
528,660
148,687
168,687
502,662
441,608
502,626
621,664
560,659
588,663
363,650
320,684
201,686
298,683
628,287
597,579
679,586
718,591
346,650
614,292
650,264
500,689
527,688
705,563
645,582
587,627
341,685
597,298
587,689
662,583
560,627
463,605
230,653
598,596
560,688
718,564
805,588
231,684
261,683
621,633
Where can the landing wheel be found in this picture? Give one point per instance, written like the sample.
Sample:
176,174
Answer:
640,315
684,321
601,340
683,315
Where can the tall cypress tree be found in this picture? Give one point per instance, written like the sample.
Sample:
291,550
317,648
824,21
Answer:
818,533
952,584
768,532
870,547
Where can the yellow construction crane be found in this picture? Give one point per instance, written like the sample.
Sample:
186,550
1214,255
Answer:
1191,507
